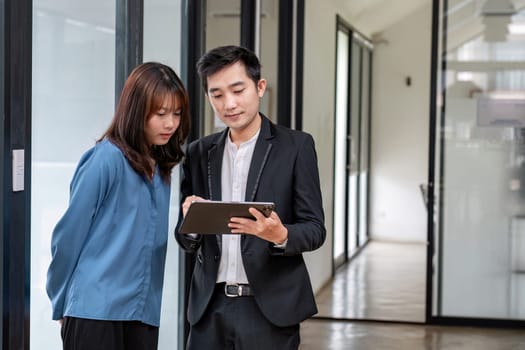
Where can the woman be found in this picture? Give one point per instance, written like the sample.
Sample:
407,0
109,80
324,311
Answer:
108,250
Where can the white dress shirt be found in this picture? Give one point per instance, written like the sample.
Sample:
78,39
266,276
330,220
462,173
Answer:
235,167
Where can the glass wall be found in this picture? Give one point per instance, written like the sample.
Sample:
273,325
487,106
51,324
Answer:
72,104
268,54
353,148
223,27
162,42
352,125
480,232
340,171
364,148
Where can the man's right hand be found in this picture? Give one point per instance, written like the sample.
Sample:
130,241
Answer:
187,202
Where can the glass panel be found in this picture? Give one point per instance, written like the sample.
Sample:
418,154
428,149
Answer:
340,170
73,99
353,147
483,164
436,189
223,27
268,56
162,42
363,159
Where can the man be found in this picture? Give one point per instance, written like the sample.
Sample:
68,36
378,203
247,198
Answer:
250,289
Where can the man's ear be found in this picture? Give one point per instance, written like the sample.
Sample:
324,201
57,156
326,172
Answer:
261,87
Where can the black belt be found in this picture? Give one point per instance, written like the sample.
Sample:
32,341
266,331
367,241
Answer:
234,290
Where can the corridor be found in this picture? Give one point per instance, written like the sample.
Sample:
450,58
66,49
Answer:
378,302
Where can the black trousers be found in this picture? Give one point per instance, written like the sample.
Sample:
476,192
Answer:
86,334
238,324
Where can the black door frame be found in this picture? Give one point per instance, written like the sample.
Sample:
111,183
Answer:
16,46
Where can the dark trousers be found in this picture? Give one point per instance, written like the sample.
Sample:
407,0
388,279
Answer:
238,324
85,334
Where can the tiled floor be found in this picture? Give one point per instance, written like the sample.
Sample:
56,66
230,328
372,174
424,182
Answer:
385,283
347,335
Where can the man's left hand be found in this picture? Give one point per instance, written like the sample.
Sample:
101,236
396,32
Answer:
268,228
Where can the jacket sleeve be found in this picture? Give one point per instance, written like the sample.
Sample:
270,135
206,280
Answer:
189,243
88,186
307,232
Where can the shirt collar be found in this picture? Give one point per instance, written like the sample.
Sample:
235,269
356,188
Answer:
230,144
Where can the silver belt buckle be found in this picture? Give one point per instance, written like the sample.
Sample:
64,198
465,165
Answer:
239,290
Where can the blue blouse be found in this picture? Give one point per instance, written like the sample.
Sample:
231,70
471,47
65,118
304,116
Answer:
109,248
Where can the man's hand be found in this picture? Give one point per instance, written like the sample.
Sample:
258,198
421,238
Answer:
188,201
268,228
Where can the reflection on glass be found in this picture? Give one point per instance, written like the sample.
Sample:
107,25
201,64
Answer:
268,55
483,169
353,148
363,157
72,104
162,26
223,27
343,56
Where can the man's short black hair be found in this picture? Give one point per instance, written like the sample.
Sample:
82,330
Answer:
223,56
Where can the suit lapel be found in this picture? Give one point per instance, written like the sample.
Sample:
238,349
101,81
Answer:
260,156
262,150
214,168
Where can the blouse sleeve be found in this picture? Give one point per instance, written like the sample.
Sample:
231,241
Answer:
90,184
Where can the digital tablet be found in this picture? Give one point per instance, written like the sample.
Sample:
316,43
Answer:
212,217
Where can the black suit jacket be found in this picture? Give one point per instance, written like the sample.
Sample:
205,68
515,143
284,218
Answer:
283,170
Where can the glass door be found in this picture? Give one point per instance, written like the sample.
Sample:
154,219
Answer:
364,147
72,104
162,24
353,137
340,157
268,52
479,226
73,97
351,150
223,25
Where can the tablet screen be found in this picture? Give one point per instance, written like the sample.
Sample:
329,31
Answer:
212,217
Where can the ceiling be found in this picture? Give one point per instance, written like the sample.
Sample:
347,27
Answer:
370,17
374,16
466,19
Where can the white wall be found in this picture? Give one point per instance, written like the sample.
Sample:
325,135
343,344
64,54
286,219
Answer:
400,122
318,117
399,160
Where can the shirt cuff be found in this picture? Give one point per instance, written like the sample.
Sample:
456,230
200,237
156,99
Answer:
282,245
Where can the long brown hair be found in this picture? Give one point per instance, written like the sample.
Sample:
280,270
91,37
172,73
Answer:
143,93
